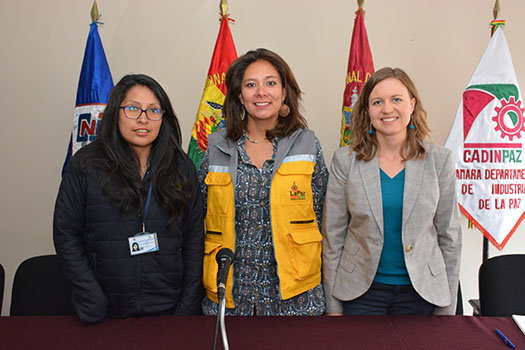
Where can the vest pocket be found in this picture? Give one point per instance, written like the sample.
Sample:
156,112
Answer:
305,246
212,244
220,193
215,225
219,224
295,184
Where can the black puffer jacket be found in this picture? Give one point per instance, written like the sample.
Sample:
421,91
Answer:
91,240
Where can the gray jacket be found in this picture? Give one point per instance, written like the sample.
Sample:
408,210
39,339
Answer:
353,228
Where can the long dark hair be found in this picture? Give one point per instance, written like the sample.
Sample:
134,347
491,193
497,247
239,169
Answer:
364,143
111,154
233,107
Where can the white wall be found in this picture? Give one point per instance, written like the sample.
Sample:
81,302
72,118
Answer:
438,43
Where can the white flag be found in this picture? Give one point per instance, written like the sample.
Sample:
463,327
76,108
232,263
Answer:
487,141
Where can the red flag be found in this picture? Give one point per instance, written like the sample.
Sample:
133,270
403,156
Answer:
360,68
209,117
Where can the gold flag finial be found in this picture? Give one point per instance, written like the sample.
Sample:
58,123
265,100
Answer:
224,7
360,3
495,10
94,12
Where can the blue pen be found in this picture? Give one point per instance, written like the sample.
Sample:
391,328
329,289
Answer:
505,339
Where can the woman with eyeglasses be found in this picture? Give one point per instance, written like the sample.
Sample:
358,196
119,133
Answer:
132,187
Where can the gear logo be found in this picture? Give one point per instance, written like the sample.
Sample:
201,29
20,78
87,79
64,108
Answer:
509,118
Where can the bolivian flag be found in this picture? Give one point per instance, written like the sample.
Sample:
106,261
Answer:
209,117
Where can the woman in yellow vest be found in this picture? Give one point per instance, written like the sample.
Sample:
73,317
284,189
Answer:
264,180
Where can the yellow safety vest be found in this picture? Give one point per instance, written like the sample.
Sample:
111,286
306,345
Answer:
296,237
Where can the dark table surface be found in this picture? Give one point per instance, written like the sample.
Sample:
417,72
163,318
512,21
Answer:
196,332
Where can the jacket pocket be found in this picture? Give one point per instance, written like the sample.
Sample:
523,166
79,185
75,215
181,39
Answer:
215,225
295,183
436,267
212,244
349,258
305,246
220,193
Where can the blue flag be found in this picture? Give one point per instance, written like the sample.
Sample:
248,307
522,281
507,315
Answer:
94,87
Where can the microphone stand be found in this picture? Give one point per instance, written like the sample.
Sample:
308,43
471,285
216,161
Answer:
224,258
221,310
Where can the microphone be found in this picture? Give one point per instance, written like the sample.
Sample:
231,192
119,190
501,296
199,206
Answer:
224,259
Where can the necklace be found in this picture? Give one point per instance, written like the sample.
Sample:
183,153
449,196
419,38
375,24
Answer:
252,141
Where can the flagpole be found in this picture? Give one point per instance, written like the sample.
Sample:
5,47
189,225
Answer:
495,23
224,7
94,12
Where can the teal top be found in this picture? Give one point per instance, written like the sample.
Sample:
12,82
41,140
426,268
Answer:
392,269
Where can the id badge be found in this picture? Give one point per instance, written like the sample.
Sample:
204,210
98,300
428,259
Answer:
143,243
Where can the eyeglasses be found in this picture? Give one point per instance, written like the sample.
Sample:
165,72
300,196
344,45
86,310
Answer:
134,112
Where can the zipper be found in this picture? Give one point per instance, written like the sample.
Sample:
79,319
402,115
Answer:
139,277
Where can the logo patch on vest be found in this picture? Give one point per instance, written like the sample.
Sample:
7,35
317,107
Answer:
296,194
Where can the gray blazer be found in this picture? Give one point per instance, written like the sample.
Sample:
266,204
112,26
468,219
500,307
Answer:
353,228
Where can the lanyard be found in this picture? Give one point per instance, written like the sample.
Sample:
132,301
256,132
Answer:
146,207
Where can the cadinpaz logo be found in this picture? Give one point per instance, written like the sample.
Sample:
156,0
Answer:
498,113
507,116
